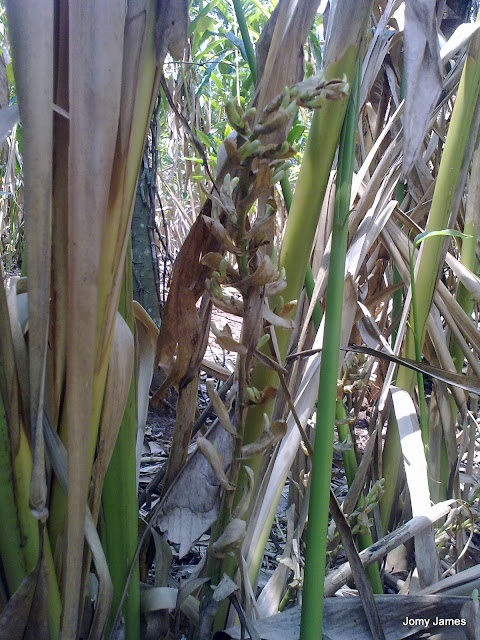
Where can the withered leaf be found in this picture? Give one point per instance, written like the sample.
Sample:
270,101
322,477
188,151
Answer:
219,232
171,29
242,507
211,454
276,320
183,334
220,409
226,340
230,538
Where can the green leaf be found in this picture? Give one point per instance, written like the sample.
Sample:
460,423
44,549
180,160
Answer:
296,132
202,136
441,232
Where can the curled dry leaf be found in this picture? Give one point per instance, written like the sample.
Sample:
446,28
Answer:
220,410
275,319
242,506
182,339
220,234
265,273
171,29
268,437
226,340
230,538
211,454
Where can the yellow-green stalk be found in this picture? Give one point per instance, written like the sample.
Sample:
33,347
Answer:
311,186
428,261
340,61
316,539
350,465
468,256
12,549
119,498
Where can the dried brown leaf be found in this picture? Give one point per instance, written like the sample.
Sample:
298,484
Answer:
211,454
226,340
230,539
171,29
422,73
244,502
220,409
182,339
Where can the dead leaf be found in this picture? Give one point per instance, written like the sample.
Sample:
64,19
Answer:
422,75
20,609
230,539
171,29
211,454
220,409
192,504
183,335
226,340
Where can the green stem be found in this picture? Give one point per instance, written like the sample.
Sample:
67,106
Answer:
119,497
247,43
418,356
350,465
429,258
468,257
309,279
316,541
340,60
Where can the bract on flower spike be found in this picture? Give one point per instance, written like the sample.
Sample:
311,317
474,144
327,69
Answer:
263,341
250,148
222,267
234,116
276,178
271,106
248,114
286,99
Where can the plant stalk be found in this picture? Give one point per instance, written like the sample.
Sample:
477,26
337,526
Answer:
316,539
428,263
